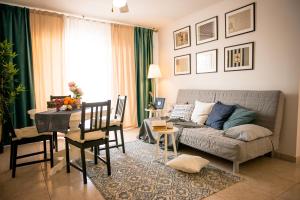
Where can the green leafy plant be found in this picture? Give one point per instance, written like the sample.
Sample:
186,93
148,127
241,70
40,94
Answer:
8,90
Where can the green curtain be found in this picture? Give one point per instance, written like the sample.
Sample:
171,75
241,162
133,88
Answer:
143,51
15,28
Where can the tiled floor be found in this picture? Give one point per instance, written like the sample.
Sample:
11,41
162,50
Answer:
265,178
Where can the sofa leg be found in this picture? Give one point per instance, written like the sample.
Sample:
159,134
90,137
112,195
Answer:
273,154
236,167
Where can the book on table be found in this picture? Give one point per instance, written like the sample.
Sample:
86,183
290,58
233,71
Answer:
159,125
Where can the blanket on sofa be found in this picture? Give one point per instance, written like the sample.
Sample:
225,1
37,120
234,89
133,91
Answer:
148,135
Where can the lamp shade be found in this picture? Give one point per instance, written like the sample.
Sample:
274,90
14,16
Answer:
154,71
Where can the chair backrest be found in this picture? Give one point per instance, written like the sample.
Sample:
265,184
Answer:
99,117
8,121
58,97
120,108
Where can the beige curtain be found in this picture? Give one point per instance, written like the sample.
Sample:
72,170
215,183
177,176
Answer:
47,52
124,81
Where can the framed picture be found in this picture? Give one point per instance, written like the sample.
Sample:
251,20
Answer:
182,38
159,102
206,61
240,21
182,64
207,30
239,57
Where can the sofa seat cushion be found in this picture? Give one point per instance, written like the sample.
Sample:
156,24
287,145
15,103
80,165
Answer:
95,135
28,132
212,141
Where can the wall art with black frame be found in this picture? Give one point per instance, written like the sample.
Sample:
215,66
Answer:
239,57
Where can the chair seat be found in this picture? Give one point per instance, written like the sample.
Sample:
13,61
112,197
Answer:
28,132
115,122
96,135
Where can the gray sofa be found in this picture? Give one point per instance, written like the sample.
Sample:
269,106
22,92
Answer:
269,107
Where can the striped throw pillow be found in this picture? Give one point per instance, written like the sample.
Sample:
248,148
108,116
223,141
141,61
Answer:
182,112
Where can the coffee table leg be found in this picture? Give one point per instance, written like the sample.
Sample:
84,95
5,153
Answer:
157,145
166,148
174,144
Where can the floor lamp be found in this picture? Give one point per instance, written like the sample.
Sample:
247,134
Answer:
154,74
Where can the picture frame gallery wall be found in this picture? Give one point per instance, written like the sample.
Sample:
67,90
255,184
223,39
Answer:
237,57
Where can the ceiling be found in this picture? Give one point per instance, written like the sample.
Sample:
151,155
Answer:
148,13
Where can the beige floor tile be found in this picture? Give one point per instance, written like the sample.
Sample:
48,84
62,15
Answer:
292,193
242,191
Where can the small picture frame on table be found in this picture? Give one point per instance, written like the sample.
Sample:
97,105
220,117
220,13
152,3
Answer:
182,64
207,61
182,38
239,57
240,21
159,103
207,30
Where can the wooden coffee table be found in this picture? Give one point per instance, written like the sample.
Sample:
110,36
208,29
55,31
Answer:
166,132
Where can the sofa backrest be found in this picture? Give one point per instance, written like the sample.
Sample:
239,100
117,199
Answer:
267,104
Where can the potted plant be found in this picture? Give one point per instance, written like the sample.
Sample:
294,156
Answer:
7,72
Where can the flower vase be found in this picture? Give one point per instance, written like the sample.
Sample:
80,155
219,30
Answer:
78,103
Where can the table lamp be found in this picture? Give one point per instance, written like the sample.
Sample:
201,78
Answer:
154,74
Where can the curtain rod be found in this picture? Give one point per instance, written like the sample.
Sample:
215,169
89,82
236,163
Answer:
80,16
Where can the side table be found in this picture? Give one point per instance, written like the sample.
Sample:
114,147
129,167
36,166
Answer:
166,132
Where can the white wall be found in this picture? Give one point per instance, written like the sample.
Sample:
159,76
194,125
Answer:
276,65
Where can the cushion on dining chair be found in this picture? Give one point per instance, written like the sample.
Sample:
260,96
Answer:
95,135
28,132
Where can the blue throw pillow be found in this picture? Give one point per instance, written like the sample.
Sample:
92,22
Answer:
219,114
239,117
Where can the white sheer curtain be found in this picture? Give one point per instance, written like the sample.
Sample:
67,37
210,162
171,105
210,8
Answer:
88,57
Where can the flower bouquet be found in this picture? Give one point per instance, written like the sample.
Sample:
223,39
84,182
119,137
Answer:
77,92
69,103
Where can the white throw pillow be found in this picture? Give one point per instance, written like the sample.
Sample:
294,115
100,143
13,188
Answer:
182,112
201,112
247,132
188,163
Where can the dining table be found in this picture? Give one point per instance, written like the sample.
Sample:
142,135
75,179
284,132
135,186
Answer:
59,122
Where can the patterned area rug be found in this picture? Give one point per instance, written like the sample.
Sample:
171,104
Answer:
139,175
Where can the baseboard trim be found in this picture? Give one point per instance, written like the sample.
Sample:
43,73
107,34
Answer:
287,157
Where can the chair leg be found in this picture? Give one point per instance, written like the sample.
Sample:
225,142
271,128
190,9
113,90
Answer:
11,155
45,149
15,150
67,156
55,140
51,153
83,165
122,139
107,156
116,138
95,155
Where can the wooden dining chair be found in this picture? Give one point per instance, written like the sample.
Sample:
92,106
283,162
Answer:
93,133
116,122
52,97
26,135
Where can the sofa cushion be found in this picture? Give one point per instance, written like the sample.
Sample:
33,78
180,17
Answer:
201,111
212,141
219,114
247,132
238,117
182,112
188,163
